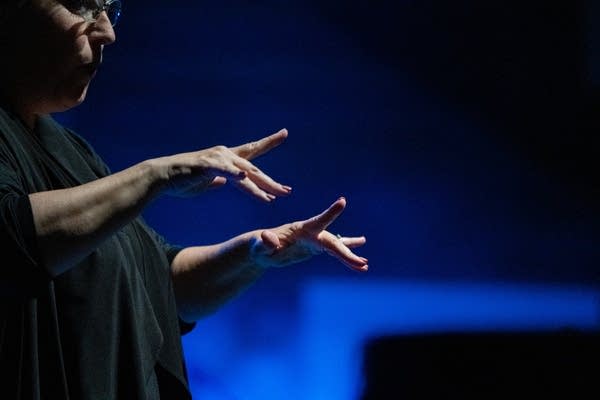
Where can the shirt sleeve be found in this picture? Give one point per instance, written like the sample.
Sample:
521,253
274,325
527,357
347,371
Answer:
22,273
171,251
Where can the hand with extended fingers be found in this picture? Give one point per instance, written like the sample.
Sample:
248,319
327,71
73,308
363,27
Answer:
297,241
194,172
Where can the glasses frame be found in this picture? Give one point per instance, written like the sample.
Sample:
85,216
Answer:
91,15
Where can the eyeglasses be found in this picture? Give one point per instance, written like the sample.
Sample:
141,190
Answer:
90,10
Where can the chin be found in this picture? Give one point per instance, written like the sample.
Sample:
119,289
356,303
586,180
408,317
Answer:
73,98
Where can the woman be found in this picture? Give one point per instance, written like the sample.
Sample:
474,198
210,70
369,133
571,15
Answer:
93,300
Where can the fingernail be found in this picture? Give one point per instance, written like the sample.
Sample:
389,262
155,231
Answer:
342,198
289,189
270,197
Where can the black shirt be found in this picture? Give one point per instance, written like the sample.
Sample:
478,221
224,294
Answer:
101,329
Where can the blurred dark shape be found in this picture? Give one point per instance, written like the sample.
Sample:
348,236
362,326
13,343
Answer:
483,365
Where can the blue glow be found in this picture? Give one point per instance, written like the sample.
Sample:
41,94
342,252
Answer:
319,355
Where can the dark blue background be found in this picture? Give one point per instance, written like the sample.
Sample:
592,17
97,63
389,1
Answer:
463,134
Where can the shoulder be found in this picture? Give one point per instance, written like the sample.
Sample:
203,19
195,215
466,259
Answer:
77,140
48,123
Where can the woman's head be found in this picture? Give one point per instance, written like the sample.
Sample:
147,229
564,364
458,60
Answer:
51,53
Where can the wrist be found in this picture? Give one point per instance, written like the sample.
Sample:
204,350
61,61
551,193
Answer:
243,251
157,172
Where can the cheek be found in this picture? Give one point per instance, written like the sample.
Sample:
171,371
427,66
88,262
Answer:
70,52
60,63
64,45
81,50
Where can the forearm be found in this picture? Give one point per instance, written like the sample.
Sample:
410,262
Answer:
71,223
206,277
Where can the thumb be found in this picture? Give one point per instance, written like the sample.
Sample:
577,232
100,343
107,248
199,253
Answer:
270,239
268,243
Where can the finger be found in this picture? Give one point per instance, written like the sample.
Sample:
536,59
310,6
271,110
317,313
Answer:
229,171
217,182
322,221
249,187
258,148
353,242
261,179
337,249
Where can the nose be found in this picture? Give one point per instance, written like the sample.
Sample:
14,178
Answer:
102,30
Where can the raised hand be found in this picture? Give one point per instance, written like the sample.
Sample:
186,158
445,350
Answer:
297,241
195,172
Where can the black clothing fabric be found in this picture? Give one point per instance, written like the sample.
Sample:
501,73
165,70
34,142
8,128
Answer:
104,328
